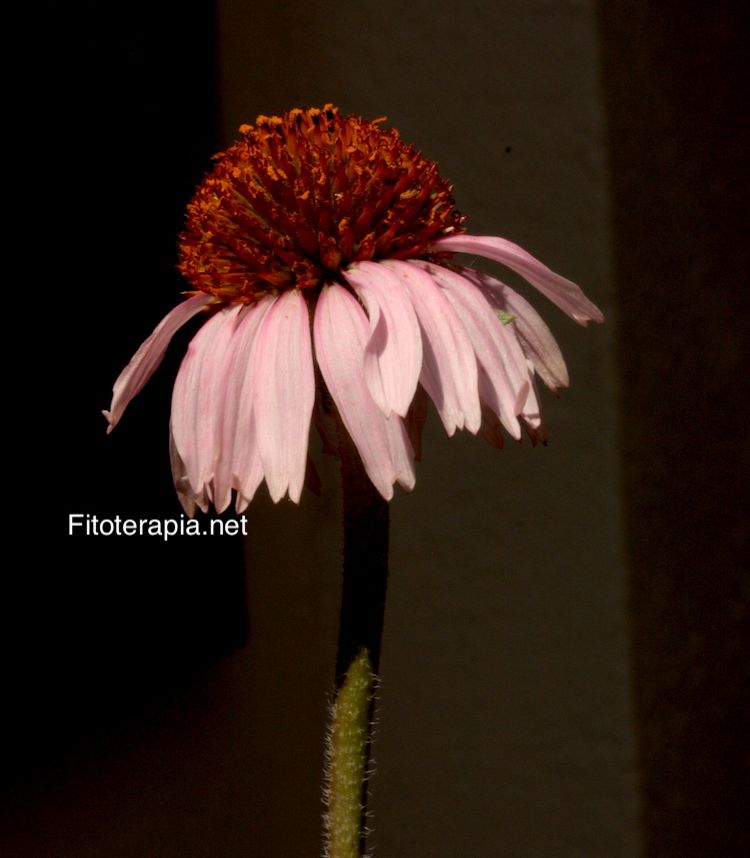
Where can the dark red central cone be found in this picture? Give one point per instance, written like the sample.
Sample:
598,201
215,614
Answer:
299,197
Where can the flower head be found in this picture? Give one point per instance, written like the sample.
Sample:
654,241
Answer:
324,240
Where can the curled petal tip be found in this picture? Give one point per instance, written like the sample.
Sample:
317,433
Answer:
564,293
385,491
150,354
188,504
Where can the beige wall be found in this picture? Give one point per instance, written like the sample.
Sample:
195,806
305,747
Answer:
505,723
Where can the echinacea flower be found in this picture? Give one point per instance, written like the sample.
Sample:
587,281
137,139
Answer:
321,247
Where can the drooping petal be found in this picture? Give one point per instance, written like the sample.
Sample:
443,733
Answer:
393,355
150,354
496,349
341,333
564,293
532,414
223,403
284,393
236,449
449,368
247,468
535,337
185,494
198,397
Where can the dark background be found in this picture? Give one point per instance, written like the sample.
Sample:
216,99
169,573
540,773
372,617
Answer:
104,628
120,653
675,84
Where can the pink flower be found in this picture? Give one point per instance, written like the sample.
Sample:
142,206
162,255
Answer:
321,248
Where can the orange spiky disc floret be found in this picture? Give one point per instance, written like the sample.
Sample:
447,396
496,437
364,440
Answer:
298,198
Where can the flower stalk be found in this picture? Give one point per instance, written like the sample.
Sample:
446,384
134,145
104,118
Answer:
365,576
347,758
365,572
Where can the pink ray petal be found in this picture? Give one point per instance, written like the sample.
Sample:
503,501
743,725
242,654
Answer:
231,444
284,394
535,337
241,436
564,293
198,397
150,354
531,413
341,332
393,355
243,502
536,431
491,403
221,403
185,494
497,350
402,452
449,368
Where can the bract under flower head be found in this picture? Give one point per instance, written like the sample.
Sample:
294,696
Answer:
300,197
321,248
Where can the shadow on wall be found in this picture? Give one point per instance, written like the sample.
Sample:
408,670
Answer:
676,86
